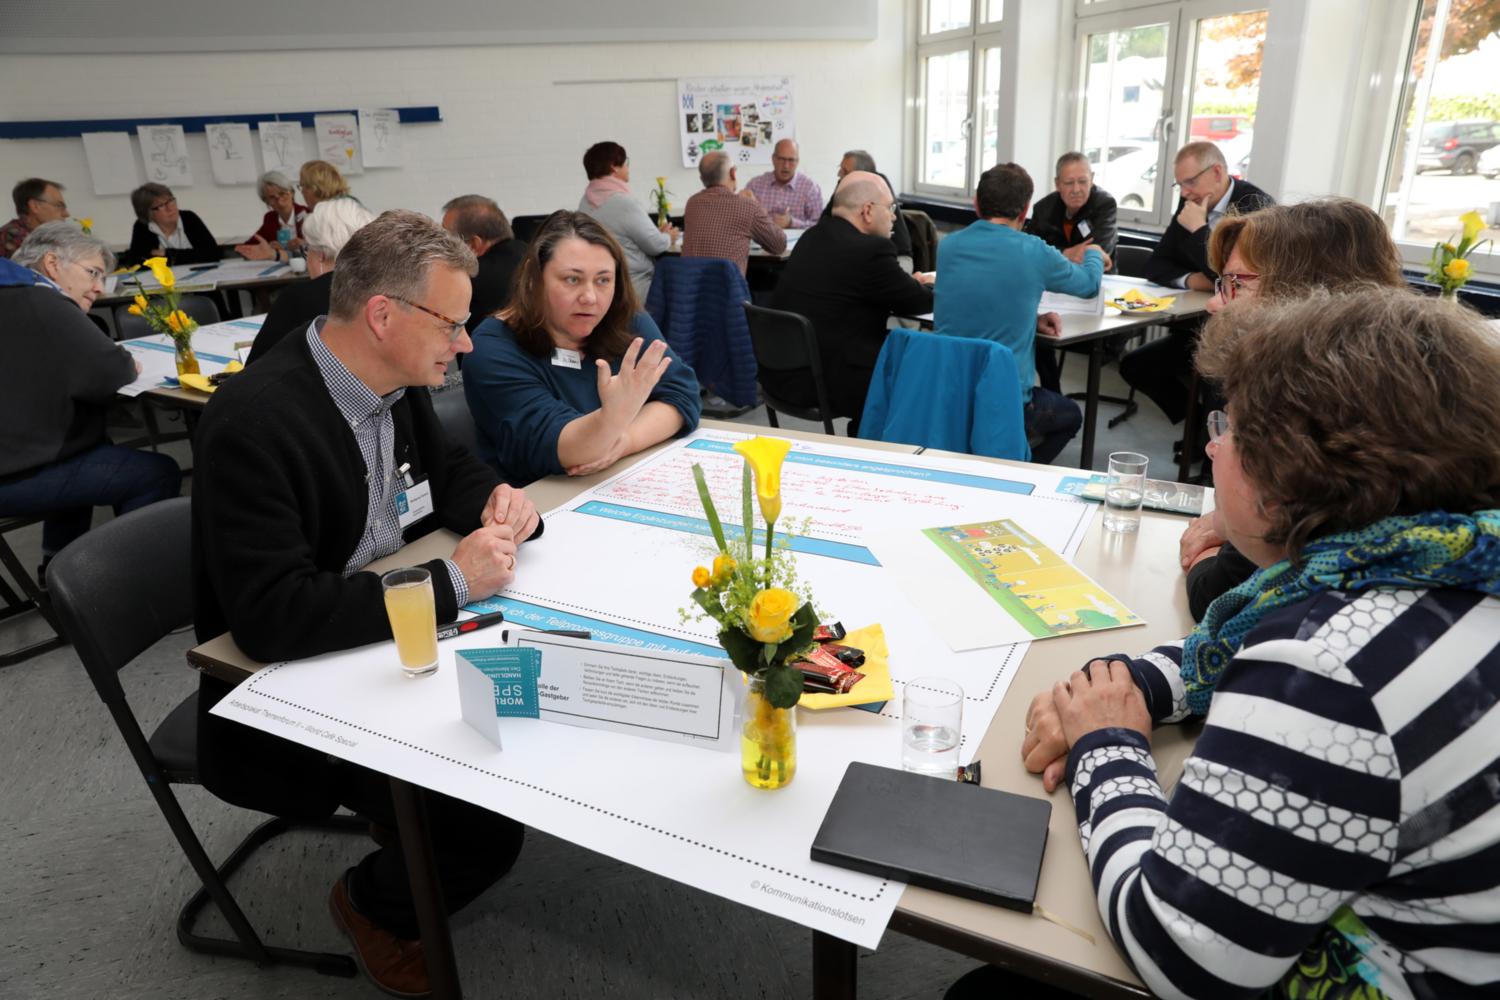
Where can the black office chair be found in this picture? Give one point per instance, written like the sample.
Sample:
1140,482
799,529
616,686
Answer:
111,619
525,226
30,599
453,413
786,342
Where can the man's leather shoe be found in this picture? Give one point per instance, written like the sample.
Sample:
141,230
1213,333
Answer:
394,965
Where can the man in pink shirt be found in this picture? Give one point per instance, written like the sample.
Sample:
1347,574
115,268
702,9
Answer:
792,199
718,224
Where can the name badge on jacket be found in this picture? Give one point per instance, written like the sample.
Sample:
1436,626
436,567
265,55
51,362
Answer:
1083,228
413,504
564,358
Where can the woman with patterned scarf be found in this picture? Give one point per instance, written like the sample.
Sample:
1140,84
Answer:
1336,831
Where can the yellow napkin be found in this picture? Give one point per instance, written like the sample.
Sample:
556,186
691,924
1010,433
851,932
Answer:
1135,301
877,670
191,380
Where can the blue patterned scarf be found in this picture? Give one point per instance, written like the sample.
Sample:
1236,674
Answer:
1436,549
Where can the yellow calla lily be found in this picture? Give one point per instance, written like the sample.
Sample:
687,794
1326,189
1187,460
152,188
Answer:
661,182
140,300
172,323
765,456
185,321
1473,224
161,271
134,310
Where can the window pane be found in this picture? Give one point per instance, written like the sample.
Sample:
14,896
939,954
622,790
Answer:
1226,85
946,15
1125,73
1455,167
945,126
992,11
989,110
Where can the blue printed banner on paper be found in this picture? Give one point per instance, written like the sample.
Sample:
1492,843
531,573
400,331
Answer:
885,469
732,532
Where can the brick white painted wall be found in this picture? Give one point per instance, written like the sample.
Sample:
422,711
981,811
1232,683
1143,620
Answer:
509,129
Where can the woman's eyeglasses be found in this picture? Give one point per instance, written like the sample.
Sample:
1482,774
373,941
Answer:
1218,426
1227,286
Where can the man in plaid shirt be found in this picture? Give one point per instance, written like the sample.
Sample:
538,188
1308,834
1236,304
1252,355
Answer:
792,199
716,223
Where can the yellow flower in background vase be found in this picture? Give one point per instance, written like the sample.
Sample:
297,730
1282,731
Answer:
135,310
172,323
1473,224
765,456
770,615
701,576
186,322
87,225
661,182
161,271
141,304
1457,269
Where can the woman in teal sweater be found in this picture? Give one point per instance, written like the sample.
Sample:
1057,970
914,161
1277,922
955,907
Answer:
572,376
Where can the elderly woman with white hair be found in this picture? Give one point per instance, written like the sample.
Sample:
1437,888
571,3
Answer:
328,227
280,232
58,373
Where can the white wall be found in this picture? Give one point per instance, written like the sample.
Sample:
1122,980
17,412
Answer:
510,129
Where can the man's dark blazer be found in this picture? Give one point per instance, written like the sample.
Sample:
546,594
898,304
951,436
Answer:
1049,214
848,284
1181,252
497,269
900,235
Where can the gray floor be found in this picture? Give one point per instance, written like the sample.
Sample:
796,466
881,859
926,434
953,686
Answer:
91,879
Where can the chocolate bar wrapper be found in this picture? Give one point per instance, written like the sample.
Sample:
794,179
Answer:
848,655
823,667
829,632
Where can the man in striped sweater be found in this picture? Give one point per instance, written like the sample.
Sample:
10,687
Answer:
1336,833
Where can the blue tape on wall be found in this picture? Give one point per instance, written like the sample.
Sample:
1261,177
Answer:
195,123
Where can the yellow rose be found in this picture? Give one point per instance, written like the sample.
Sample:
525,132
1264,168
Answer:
723,566
700,576
1457,269
1473,224
765,456
161,271
134,310
771,615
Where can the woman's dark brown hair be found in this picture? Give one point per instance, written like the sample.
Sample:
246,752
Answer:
142,198
1328,243
602,157
1348,407
527,313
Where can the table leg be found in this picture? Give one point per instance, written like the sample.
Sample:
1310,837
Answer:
426,890
835,966
1091,403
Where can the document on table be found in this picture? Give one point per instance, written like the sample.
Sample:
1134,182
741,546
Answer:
215,346
1118,284
1059,303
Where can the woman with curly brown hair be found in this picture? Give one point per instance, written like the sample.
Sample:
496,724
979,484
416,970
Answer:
1336,831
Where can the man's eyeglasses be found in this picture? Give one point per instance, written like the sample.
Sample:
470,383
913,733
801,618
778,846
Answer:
163,204
1193,179
455,326
1218,426
1227,286
59,205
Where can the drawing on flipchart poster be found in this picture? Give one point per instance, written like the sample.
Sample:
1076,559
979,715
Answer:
380,137
164,152
281,146
338,142
229,152
743,116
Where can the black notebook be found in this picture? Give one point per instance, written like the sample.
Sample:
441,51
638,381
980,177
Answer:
976,842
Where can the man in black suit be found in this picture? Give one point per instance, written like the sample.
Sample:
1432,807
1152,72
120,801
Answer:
1161,369
478,221
858,159
844,277
1074,217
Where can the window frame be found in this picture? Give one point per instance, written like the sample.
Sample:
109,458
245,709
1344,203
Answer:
977,38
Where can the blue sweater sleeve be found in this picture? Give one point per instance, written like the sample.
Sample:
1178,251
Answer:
519,410
678,387
1062,275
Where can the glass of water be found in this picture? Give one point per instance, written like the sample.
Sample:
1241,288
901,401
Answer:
932,714
1124,491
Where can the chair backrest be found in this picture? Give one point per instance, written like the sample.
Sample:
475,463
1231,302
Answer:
696,302
128,327
453,413
1131,261
785,342
122,586
525,226
201,308
923,239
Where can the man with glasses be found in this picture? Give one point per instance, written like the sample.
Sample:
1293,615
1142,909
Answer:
844,277
792,199
37,201
1161,369
324,456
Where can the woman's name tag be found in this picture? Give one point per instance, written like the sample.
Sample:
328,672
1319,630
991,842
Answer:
564,358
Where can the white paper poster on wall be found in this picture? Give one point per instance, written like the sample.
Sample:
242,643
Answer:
281,146
338,142
380,137
743,115
230,153
111,162
164,151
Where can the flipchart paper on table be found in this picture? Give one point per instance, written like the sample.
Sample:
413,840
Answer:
215,346
617,560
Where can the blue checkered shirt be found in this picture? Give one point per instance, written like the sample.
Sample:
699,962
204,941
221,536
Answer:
374,430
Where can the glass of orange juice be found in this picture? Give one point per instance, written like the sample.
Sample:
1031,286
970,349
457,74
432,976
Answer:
409,604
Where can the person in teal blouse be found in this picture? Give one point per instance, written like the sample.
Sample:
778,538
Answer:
990,279
572,376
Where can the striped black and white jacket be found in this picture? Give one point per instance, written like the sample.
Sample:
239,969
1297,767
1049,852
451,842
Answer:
1338,821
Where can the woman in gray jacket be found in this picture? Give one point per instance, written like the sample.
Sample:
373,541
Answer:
608,199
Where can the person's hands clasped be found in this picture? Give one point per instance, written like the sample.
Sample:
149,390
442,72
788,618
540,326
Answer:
1199,541
1044,749
487,559
1103,695
622,396
510,506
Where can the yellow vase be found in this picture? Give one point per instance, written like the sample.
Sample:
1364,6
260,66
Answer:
187,361
768,740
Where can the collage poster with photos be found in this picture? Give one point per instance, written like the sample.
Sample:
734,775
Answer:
743,115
